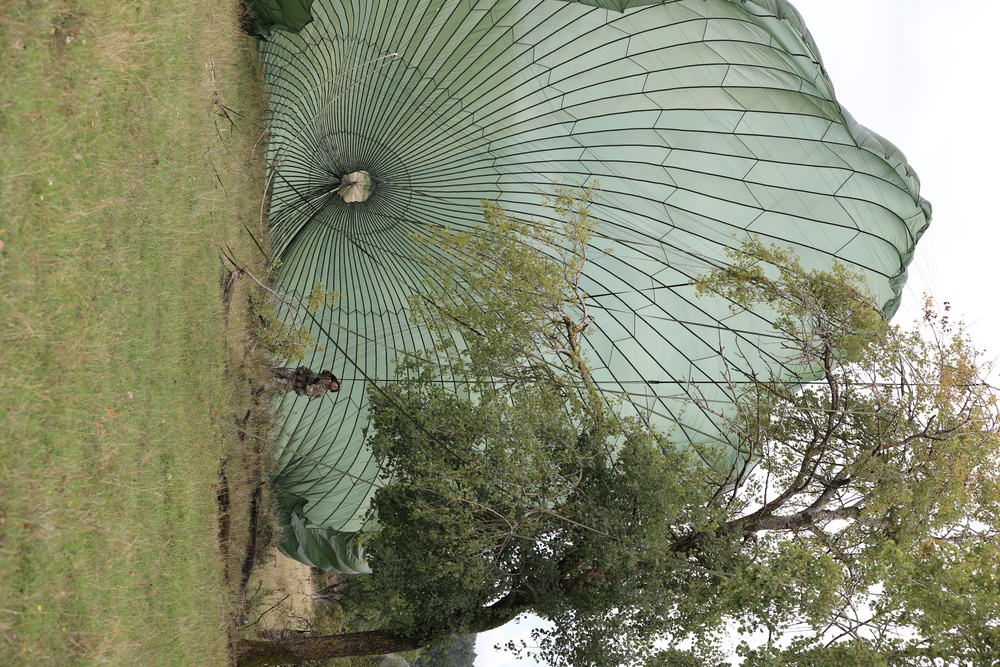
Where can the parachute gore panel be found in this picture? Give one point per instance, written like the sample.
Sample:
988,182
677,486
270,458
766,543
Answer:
705,122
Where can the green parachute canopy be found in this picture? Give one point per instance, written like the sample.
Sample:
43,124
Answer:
292,15
705,121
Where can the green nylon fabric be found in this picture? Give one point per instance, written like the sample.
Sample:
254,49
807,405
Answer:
705,122
292,15
620,5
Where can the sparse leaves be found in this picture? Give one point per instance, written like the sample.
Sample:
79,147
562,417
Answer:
885,470
280,321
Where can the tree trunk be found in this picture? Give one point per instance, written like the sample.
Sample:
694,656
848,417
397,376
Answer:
251,653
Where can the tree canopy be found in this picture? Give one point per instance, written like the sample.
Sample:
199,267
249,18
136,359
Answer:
863,530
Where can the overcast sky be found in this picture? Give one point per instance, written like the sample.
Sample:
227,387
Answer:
921,73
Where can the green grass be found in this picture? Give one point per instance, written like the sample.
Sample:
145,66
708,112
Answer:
121,177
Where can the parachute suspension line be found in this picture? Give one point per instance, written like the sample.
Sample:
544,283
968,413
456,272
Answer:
263,133
273,168
473,117
372,382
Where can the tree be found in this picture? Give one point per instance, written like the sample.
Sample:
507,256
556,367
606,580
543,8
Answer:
874,533
452,651
279,320
517,485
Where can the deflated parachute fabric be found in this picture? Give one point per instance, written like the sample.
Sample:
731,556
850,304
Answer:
290,15
705,122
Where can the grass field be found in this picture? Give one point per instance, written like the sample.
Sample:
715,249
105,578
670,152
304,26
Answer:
126,131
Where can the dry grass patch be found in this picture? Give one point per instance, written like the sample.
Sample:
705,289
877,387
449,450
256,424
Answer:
281,595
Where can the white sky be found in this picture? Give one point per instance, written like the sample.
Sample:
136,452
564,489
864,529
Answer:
922,74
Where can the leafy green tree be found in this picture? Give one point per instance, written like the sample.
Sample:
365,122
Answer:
866,533
874,529
452,651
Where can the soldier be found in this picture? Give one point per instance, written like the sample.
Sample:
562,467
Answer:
305,382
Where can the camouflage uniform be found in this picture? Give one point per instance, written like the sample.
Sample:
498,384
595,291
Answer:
303,381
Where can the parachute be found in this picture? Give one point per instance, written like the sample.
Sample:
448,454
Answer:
706,122
291,15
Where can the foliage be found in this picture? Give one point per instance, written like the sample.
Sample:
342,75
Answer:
451,651
865,532
877,490
532,490
281,320
517,485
